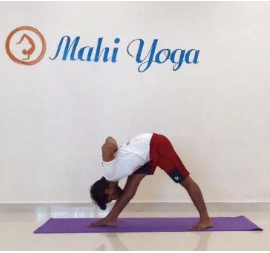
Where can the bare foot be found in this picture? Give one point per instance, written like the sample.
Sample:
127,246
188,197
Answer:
103,223
202,224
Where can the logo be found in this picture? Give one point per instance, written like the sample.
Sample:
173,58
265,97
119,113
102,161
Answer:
71,50
26,45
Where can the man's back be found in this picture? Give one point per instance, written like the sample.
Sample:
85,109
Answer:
129,157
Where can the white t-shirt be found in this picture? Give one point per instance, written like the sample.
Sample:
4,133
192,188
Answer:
129,157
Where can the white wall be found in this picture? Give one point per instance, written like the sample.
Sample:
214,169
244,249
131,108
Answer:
54,116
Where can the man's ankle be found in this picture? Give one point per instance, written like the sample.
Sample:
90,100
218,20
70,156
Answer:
204,217
112,218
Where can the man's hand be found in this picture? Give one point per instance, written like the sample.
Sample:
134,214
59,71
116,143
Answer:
105,222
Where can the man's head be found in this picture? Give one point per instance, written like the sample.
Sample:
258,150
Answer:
103,192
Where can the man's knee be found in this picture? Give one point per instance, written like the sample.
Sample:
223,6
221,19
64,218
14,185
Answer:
187,182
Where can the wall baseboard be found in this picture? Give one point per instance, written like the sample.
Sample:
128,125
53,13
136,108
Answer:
85,207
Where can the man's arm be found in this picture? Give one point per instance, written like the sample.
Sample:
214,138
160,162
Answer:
129,192
108,149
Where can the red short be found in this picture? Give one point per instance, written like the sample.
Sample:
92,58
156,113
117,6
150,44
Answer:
163,155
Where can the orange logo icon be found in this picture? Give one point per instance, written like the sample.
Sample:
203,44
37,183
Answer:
25,45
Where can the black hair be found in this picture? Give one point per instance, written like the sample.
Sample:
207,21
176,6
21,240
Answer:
97,193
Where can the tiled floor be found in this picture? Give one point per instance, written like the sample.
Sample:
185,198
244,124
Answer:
16,233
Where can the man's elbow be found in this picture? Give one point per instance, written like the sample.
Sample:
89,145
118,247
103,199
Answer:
111,143
110,140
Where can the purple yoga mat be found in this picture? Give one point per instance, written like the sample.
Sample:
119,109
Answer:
80,225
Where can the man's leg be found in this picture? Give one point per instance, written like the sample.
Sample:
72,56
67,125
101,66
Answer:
196,196
169,161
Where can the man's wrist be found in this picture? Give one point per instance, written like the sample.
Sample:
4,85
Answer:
111,217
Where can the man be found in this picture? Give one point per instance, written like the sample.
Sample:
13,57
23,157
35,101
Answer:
135,159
